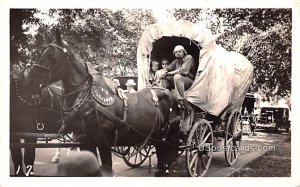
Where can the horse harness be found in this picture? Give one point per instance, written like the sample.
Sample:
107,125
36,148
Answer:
35,102
97,96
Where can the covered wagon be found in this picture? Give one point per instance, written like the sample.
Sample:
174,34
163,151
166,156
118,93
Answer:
216,95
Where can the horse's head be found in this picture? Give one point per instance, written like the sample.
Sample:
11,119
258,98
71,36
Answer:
51,65
20,75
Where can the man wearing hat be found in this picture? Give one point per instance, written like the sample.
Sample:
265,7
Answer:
180,72
130,86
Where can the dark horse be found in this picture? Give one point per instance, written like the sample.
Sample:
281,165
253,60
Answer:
30,114
151,115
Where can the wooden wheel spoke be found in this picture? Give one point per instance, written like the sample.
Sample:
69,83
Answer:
231,155
135,158
203,132
203,162
141,156
195,166
206,154
197,134
195,157
206,138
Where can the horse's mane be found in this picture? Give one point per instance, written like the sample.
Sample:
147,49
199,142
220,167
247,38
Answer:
72,53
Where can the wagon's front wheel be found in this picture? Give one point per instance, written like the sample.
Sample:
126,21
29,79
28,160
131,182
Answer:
199,151
136,155
233,137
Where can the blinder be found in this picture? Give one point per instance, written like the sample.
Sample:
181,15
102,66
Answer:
49,69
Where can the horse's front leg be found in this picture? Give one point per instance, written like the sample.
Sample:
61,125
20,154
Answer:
29,157
88,145
17,158
105,155
99,129
163,161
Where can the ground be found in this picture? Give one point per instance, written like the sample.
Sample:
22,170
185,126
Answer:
271,164
260,163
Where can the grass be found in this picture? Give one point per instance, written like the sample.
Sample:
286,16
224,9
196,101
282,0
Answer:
271,164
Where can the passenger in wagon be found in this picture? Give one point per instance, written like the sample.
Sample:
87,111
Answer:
180,72
164,63
160,73
154,67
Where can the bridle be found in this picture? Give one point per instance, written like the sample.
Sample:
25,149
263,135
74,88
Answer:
49,69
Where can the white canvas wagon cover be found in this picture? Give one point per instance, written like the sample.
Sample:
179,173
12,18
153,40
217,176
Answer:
222,77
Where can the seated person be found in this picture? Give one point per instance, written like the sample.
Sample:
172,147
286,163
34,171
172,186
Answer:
164,63
181,72
154,66
159,74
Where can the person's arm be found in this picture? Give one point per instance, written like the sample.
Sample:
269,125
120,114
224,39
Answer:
185,68
171,66
173,72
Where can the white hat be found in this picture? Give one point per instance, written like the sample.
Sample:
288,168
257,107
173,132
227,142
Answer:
130,82
178,48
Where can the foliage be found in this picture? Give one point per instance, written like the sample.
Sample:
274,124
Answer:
262,35
109,37
102,36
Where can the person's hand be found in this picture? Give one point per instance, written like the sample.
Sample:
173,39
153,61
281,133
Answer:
164,74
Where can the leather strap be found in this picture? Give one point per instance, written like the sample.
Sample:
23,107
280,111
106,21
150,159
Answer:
115,119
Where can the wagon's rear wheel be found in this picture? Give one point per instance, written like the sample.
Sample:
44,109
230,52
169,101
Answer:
136,156
233,137
199,154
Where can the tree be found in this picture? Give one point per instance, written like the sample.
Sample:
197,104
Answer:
18,39
262,35
102,36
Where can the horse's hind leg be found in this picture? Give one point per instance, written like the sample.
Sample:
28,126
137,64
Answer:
29,157
17,158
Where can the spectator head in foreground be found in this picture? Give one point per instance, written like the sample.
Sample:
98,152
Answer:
79,164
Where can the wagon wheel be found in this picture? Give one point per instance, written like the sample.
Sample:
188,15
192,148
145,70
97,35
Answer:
135,157
233,137
199,154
